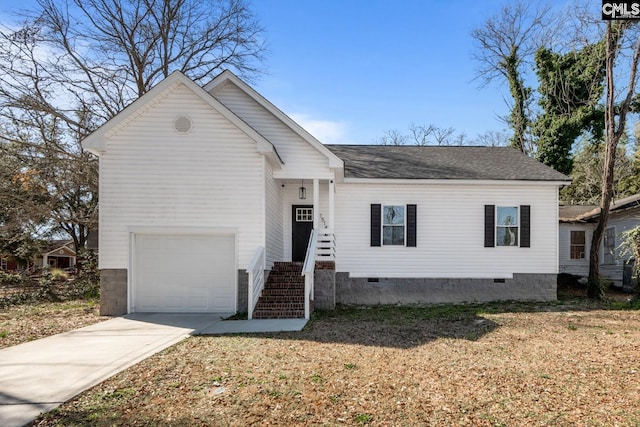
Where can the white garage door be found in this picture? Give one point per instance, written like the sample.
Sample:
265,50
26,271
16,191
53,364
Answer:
184,273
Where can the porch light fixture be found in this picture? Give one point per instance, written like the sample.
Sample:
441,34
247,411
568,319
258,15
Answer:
302,192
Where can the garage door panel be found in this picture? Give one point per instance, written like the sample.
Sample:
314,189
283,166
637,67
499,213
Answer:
184,273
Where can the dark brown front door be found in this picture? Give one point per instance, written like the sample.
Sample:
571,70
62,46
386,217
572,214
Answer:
301,227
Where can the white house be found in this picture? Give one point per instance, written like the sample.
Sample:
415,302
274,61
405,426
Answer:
203,190
576,231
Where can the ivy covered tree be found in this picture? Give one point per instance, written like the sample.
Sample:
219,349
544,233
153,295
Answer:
506,45
570,87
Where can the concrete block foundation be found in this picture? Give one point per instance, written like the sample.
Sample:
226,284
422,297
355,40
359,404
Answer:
324,286
375,291
113,292
243,291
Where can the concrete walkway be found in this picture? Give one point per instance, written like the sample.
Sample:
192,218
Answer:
38,376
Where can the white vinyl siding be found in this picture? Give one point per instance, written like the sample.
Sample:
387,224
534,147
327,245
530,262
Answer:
152,176
273,219
450,231
300,159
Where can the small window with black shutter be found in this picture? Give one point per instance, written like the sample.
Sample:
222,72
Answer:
393,225
507,226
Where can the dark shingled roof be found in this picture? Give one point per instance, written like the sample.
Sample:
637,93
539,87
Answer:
441,162
574,214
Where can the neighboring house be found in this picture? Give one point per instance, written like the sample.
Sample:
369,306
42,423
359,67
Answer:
9,263
56,254
576,231
203,189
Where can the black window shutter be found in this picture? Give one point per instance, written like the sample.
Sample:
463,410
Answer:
525,226
411,226
376,224
489,226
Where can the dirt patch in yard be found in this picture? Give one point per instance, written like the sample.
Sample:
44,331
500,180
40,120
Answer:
566,363
28,322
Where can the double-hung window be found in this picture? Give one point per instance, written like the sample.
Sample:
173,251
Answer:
577,244
609,245
393,225
507,226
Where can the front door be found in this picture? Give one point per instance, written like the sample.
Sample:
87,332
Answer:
301,227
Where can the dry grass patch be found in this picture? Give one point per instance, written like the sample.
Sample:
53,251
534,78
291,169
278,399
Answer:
28,322
510,364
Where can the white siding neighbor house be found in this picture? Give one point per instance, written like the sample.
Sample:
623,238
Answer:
576,230
214,200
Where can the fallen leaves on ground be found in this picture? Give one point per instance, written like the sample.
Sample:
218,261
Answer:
556,364
28,322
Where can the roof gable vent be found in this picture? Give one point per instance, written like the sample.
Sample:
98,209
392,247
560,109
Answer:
182,124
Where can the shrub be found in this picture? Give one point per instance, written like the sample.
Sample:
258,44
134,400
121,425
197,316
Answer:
11,279
58,274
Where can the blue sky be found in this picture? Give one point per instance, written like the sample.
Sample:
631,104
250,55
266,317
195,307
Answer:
350,70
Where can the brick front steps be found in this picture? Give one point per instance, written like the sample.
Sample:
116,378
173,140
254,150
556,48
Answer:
283,294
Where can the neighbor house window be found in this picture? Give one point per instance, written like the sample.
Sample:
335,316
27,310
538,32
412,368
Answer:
393,225
3,264
507,226
577,244
609,245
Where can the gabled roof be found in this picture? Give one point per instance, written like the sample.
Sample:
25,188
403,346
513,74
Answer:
96,141
442,163
587,215
228,76
58,245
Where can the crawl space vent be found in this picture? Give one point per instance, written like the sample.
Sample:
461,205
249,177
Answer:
182,124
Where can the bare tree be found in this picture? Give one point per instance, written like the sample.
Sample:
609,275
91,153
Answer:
505,44
616,109
423,135
393,137
443,136
493,139
73,64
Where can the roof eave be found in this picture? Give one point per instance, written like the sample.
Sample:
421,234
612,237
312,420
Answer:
440,181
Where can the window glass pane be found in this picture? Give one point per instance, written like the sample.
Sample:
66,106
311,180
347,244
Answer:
577,244
577,237
610,245
393,235
507,215
393,215
507,236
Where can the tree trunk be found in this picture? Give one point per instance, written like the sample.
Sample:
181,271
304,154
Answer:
519,120
613,132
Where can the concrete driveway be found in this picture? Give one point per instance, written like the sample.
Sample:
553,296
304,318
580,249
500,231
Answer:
38,376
